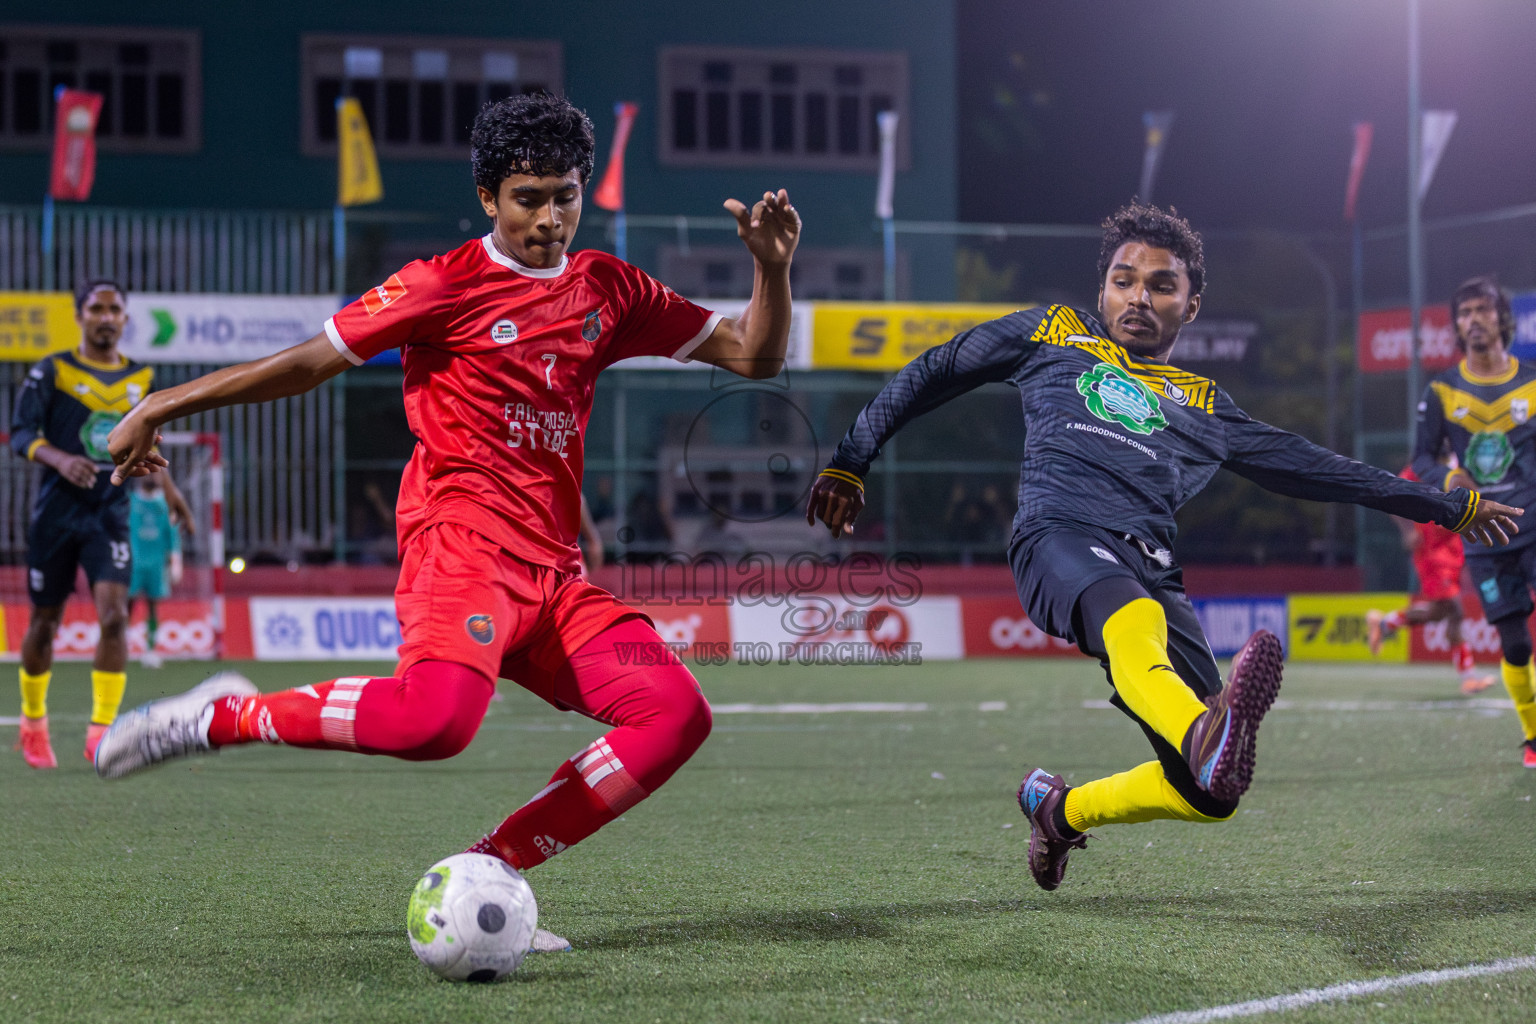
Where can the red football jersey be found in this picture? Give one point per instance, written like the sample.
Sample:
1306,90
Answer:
1437,545
500,364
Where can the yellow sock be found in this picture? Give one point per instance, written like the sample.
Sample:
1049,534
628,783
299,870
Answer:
1141,794
34,693
1518,681
106,694
1136,639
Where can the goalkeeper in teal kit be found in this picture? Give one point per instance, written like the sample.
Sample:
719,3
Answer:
157,563
1116,439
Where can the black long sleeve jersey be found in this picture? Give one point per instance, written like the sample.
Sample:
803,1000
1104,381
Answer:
73,404
1119,442
1489,424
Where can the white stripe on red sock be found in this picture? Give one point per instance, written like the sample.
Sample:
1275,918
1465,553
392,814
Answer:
606,776
338,718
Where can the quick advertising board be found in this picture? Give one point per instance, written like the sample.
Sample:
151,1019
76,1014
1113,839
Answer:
324,628
1228,622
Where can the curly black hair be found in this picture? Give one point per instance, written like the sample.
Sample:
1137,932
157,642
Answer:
84,289
1484,286
536,134
1152,225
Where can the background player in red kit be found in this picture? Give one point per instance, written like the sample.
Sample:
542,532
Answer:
502,341
1438,558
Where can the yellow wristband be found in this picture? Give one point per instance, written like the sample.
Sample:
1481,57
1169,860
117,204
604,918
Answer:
843,475
1473,500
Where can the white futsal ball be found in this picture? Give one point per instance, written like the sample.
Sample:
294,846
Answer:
471,918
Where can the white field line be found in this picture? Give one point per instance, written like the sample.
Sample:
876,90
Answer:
739,709
811,709
837,708
1336,993
1461,704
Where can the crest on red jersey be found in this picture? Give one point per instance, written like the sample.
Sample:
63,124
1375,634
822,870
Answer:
592,326
375,299
480,629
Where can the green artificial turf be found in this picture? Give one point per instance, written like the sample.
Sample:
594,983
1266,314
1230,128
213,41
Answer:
858,867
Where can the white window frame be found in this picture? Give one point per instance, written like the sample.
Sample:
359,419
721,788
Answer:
882,73
420,59
171,50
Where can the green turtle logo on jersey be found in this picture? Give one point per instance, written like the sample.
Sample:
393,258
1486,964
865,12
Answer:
1488,456
1114,396
94,431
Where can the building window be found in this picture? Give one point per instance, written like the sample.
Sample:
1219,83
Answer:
812,109
419,93
150,81
725,272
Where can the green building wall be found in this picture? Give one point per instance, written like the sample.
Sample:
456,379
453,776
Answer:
250,158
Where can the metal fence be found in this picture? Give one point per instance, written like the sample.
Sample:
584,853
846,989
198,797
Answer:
169,250
280,463
302,485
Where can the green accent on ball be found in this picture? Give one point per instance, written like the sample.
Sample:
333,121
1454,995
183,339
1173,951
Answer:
428,895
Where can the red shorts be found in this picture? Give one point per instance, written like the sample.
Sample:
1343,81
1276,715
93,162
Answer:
1439,578
463,598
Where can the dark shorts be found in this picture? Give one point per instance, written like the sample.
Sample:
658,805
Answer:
63,539
1503,581
1055,563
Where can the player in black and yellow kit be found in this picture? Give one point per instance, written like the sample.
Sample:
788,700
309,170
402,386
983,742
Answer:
67,406
1483,407
1116,441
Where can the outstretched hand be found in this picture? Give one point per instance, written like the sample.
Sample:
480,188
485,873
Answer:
1493,524
132,447
836,503
770,229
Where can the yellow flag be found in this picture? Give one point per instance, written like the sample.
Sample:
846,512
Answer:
357,177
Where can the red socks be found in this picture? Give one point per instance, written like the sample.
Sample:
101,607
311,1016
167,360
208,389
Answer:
1461,657
435,708
432,712
662,719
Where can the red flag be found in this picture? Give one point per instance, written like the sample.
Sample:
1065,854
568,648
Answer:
1363,132
74,144
610,193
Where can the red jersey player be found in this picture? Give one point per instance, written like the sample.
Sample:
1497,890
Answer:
502,342
1437,560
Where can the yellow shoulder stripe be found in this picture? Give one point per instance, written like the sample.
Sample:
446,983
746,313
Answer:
1062,326
98,395
1475,415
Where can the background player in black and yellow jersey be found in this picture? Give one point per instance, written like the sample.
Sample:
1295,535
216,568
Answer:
1116,441
68,405
1482,406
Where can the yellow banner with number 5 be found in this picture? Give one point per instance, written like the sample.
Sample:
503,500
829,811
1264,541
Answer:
876,336
1333,627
